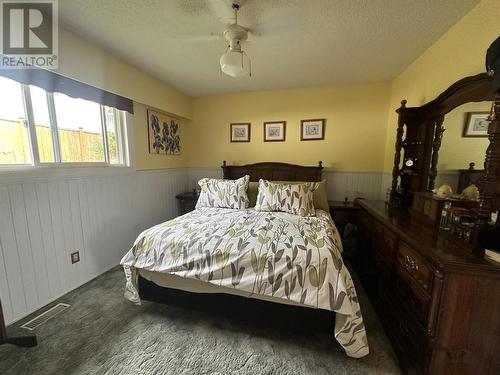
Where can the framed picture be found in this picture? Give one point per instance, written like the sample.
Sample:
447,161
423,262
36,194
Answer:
274,131
240,132
476,124
163,133
312,129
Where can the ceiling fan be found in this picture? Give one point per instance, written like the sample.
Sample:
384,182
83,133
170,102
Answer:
234,62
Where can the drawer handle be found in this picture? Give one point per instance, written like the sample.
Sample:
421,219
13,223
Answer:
410,264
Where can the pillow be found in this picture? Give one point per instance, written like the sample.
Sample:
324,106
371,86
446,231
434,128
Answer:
223,193
296,199
319,195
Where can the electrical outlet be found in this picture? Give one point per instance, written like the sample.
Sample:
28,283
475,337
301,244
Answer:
75,257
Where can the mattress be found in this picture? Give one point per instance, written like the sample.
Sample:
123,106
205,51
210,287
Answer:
274,256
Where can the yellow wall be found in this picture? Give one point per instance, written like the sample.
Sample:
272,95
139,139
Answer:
457,54
86,62
457,151
354,133
361,122
356,137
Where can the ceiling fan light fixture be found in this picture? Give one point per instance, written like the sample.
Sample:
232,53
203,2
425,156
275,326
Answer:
235,63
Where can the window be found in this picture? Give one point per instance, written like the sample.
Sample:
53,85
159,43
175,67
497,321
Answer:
114,137
42,124
14,135
39,128
80,129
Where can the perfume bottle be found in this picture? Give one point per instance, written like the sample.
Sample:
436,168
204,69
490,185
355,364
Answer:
445,217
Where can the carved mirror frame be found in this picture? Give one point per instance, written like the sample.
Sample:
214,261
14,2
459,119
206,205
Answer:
424,131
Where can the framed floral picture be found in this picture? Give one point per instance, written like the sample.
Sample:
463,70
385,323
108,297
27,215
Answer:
163,134
476,124
240,132
312,129
274,131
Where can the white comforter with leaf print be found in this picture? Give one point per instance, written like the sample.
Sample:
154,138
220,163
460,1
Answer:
268,253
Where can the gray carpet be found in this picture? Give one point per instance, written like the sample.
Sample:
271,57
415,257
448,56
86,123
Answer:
102,333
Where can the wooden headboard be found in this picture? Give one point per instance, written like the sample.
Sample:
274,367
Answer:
273,171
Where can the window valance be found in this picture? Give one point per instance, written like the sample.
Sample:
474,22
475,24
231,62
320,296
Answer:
53,82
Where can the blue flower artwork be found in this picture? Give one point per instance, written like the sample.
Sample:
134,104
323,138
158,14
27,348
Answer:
163,134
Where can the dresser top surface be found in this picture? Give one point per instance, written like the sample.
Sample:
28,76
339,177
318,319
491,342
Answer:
432,243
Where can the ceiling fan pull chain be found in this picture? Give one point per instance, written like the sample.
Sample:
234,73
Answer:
250,66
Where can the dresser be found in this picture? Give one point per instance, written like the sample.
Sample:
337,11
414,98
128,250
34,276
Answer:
439,305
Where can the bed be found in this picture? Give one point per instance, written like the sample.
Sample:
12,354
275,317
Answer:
276,257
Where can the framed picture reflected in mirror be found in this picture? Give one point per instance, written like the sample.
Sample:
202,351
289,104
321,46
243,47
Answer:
476,124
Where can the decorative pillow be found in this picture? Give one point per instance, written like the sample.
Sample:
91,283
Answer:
295,198
319,195
223,193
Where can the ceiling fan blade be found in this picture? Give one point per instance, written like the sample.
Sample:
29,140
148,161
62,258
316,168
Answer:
202,38
277,21
223,10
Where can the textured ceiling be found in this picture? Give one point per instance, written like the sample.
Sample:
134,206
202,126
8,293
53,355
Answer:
297,43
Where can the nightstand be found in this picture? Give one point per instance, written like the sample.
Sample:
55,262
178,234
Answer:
343,213
187,201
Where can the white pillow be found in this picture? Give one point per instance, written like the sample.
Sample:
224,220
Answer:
223,193
296,199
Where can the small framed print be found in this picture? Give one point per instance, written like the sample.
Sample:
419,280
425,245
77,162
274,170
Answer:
274,131
476,124
312,129
240,132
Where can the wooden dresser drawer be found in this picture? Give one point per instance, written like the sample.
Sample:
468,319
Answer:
378,228
413,341
389,241
415,266
364,223
384,238
409,340
384,247
411,294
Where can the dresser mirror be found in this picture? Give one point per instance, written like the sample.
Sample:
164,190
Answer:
443,142
460,161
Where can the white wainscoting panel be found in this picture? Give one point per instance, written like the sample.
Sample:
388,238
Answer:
43,221
196,174
340,184
353,185
386,184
